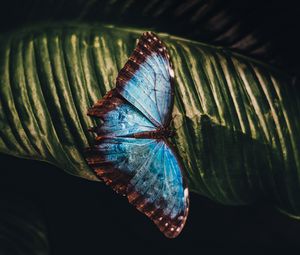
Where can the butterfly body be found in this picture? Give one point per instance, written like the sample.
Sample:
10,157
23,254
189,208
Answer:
160,133
132,152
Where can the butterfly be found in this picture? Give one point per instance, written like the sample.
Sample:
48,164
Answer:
132,152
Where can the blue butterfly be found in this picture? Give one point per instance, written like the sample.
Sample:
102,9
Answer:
132,153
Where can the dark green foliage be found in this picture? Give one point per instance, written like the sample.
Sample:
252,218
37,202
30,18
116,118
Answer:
237,120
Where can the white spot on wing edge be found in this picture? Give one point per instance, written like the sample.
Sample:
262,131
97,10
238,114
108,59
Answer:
186,192
171,71
185,197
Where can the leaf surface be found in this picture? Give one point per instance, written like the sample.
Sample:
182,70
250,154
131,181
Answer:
236,119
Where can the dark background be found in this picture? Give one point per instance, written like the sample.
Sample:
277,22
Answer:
84,217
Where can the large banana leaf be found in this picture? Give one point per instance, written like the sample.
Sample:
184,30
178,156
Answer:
237,120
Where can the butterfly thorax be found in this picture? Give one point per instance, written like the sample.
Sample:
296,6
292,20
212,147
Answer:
157,134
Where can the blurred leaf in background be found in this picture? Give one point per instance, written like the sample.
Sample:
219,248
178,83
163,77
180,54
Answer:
22,229
266,30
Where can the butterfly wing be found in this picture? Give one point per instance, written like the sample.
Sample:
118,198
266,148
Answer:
118,117
148,172
146,80
158,190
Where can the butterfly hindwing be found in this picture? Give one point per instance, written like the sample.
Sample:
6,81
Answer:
158,190
115,160
146,80
148,173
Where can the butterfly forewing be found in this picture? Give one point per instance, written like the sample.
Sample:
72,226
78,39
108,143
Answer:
146,80
118,117
146,170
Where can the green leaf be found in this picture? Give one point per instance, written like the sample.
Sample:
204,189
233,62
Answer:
237,120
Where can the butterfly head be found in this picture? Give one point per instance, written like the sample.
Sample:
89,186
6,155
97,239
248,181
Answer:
169,132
